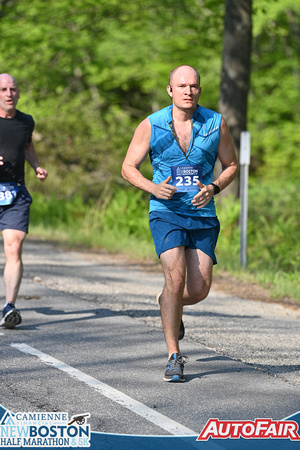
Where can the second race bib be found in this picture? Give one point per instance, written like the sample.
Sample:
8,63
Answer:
184,178
8,193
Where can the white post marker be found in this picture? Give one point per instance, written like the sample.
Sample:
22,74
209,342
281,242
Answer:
244,175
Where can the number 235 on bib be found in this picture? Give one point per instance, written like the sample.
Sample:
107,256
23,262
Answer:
185,178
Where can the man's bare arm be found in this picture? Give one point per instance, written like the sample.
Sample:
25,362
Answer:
137,152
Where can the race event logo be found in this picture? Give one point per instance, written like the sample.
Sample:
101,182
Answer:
42,429
247,429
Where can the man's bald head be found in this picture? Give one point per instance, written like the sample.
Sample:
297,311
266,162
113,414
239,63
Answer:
8,77
182,68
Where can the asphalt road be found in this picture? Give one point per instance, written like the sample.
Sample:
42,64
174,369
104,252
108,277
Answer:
91,342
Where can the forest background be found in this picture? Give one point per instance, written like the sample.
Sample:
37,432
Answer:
89,71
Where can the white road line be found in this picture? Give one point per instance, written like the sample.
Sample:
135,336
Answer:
147,413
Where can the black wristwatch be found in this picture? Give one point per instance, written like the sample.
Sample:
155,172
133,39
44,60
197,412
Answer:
216,188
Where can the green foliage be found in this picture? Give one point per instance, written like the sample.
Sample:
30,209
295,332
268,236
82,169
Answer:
228,210
119,213
273,258
274,231
54,212
89,71
273,228
274,110
127,212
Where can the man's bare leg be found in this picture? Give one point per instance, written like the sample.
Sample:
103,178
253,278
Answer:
174,266
199,276
13,271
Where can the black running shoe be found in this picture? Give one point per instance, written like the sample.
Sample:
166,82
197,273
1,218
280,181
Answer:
181,329
174,368
11,316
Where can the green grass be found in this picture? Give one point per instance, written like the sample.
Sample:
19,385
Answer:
118,223
273,258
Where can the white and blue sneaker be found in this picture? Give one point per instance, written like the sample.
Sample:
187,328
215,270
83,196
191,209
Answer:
174,368
11,316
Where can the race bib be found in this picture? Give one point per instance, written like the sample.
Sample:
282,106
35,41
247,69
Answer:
184,178
8,192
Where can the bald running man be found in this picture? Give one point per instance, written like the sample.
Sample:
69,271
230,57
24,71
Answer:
16,147
183,141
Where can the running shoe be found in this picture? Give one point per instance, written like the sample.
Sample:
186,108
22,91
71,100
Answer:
181,329
174,368
11,316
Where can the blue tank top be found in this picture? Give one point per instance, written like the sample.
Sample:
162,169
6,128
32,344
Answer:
165,153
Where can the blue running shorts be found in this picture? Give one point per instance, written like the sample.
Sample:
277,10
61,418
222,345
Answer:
171,230
16,215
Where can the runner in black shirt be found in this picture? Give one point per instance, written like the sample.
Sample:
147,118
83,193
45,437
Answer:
16,147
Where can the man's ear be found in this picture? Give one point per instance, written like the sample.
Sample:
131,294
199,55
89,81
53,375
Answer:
169,90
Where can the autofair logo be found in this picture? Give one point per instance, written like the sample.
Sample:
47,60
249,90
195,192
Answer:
257,429
42,429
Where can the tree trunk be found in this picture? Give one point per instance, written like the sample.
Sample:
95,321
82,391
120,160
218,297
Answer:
236,72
